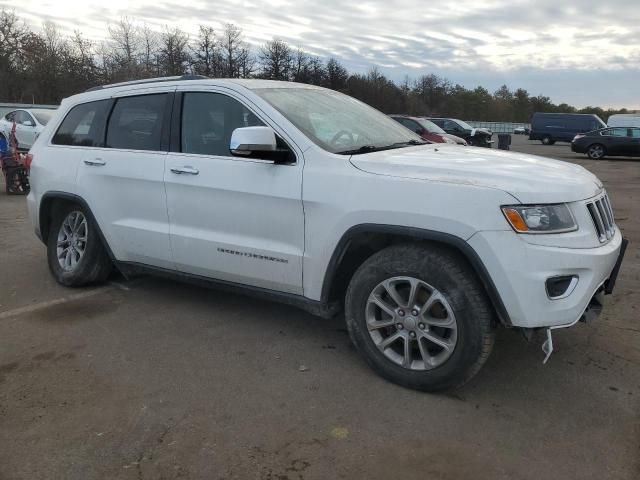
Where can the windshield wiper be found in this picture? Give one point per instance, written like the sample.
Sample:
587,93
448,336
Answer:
373,148
362,149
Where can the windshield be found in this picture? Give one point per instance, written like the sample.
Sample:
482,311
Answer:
429,126
43,116
337,122
464,125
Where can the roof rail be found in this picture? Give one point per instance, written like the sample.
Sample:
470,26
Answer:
149,80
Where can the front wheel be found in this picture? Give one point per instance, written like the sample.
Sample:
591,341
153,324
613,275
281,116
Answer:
547,140
420,317
596,152
74,249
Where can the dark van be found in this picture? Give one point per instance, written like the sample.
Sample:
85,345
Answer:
550,128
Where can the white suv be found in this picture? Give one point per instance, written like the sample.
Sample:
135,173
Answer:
311,197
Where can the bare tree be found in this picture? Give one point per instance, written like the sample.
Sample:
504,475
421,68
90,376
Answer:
125,41
276,60
233,48
317,71
149,53
207,57
300,69
13,34
337,75
174,56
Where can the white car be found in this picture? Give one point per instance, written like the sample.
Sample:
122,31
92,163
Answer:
29,124
306,195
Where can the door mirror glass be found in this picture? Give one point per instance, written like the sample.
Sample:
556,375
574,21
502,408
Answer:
252,141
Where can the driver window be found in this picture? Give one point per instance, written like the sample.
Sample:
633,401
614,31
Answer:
209,119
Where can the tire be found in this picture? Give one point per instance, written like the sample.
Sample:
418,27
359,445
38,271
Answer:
547,140
596,151
92,264
439,274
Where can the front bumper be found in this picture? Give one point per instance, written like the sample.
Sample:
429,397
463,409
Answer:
520,269
578,148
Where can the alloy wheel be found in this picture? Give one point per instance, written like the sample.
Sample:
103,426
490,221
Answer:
411,323
72,240
596,152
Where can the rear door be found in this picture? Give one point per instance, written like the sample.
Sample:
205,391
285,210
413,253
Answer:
234,219
123,181
632,146
25,129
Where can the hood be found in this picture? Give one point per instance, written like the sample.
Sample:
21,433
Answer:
529,178
481,131
458,140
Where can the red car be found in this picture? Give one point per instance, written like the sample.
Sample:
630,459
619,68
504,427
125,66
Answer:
427,129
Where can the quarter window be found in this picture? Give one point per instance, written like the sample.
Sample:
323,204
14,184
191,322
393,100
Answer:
615,132
83,125
209,119
136,122
9,117
634,132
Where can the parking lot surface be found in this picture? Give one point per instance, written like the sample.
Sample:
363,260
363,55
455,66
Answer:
149,379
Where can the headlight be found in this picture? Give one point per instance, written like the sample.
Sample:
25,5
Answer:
540,218
448,140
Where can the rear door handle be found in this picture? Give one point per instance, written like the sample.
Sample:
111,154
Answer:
186,169
96,162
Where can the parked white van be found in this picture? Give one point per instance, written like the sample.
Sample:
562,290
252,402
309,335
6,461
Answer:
624,120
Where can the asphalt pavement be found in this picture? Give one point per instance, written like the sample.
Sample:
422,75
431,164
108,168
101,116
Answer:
150,379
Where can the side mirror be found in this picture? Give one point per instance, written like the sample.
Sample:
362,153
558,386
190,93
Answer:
252,141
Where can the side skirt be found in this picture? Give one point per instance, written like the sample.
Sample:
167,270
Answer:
317,308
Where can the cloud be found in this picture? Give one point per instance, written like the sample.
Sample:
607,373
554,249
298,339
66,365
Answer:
500,38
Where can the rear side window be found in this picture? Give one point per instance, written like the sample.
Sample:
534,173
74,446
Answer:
83,126
10,116
136,122
634,132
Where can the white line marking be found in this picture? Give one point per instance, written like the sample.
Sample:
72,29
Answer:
50,303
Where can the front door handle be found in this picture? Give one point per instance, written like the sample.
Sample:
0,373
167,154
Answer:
96,162
185,169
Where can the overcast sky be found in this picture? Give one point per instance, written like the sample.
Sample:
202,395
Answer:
586,53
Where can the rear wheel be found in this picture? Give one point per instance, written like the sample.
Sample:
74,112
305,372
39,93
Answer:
596,151
419,317
548,140
75,252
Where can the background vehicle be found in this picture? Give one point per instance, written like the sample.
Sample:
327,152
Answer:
550,128
618,141
478,137
426,247
425,128
624,120
521,131
29,124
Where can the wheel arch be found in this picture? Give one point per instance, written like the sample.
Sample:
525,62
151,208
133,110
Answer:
52,200
361,241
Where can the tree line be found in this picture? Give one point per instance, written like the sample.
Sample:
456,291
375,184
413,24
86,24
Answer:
46,66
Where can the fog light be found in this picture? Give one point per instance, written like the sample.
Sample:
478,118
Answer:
561,287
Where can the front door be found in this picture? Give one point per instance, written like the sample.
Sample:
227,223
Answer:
616,140
234,219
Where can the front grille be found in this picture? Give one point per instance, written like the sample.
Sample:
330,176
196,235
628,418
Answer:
602,216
